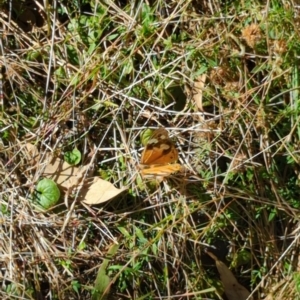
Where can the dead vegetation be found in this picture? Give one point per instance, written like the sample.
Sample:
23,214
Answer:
222,78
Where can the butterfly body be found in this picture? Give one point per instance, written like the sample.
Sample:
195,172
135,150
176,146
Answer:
160,155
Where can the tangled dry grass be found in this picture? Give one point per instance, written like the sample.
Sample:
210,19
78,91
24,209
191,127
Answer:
222,78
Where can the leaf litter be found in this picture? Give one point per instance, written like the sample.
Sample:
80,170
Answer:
91,190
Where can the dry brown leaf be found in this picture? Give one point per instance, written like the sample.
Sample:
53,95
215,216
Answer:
198,91
233,290
78,176
61,172
92,191
98,191
32,153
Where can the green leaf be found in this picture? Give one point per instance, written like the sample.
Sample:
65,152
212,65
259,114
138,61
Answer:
76,286
73,157
272,214
145,136
242,257
102,282
82,245
47,193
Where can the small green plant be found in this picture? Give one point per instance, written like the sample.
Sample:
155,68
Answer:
76,286
73,157
47,193
145,136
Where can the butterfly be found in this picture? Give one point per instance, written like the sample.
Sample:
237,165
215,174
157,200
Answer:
160,155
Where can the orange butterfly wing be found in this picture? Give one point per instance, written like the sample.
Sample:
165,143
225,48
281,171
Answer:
159,149
160,155
161,170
